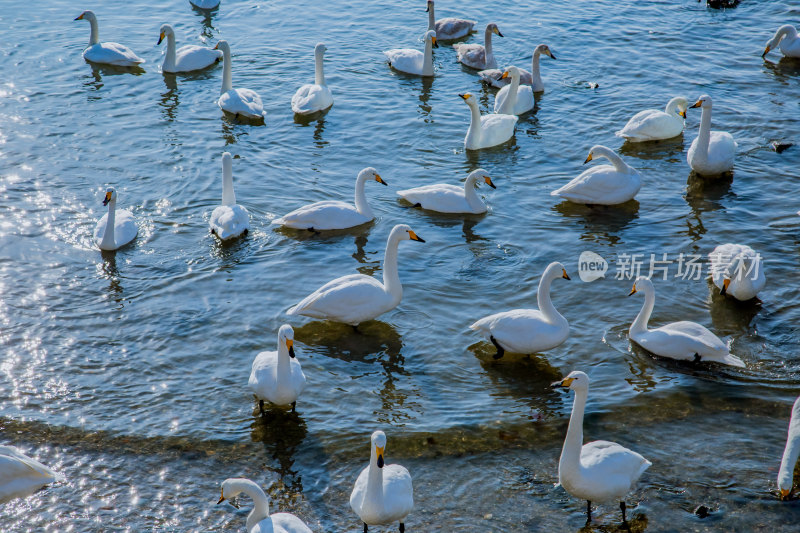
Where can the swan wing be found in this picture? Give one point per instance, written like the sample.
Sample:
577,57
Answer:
721,148
651,124
450,28
472,55
522,330
608,460
311,98
525,101
601,184
493,77
406,60
21,475
282,523
497,129
350,299
229,221
398,493
326,215
441,197
192,57
112,54
242,102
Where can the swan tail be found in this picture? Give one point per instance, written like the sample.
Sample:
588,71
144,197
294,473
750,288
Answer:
732,360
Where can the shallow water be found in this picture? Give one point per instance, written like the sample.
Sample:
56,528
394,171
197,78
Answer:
127,372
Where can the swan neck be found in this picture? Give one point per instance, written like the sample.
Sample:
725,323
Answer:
391,279
672,108
227,81
431,18
94,36
283,362
471,194
361,199
474,132
427,59
704,136
108,241
543,298
536,77
791,452
511,98
374,480
640,324
487,44
571,452
319,74
615,160
260,502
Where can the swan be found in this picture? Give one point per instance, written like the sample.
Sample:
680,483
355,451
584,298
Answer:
311,98
528,330
513,99
446,198
478,56
450,28
712,152
116,228
333,214
655,125
487,130
106,53
277,376
20,475
237,101
604,184
357,298
598,471
413,61
737,270
205,4
187,58
494,77
789,42
790,453
229,220
383,493
684,341
259,520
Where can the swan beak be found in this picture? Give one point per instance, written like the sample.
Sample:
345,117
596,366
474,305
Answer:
564,383
433,40
216,47
785,493
465,95
290,345
160,38
682,113
107,198
380,180
80,17
551,54
497,31
724,290
504,76
428,7
766,50
379,451
564,274
696,104
588,158
633,290
488,181
221,496
414,237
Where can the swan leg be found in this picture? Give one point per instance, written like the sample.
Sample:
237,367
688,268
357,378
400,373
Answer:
402,527
500,350
245,232
365,527
312,230
622,508
261,406
213,232
588,511
697,358
294,405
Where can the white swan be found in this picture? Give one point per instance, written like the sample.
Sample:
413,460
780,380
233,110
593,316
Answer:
684,341
357,298
487,130
446,198
333,214
21,475
655,125
382,493
116,228
478,56
528,330
737,270
450,28
277,376
514,99
712,152
790,453
788,39
311,98
413,61
494,77
237,101
205,4
259,520
106,53
603,184
229,220
187,58
599,471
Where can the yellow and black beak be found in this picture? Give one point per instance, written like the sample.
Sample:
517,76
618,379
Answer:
107,198
216,46
380,180
724,290
696,104
464,95
552,56
379,452
504,76
682,113
428,7
488,181
221,496
588,158
633,290
433,41
564,274
80,17
414,237
766,50
563,384
290,345
160,38
497,31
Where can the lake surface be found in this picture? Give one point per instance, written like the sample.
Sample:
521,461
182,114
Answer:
128,371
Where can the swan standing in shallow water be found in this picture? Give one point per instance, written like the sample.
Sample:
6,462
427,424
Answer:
736,269
229,220
478,56
106,53
788,39
655,125
357,298
382,493
446,198
237,101
494,77
450,28
487,130
413,61
599,471
259,520
513,99
712,152
311,98
277,376
333,214
790,453
528,330
684,341
116,228
603,184
21,475
187,58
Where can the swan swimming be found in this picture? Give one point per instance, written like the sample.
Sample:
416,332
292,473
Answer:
446,198
737,269
514,99
277,376
116,228
486,131
790,453
311,98
655,125
21,475
106,53
479,57
787,38
186,58
450,28
604,184
237,101
413,61
494,77
230,219
259,520
711,152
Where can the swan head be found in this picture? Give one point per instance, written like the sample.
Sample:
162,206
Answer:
86,15
597,150
544,49
492,28
231,488
431,35
111,196
320,49
166,30
224,46
477,174
286,338
556,270
469,98
403,232
430,5
704,102
512,72
576,380
786,29
641,284
378,440
680,104
370,173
